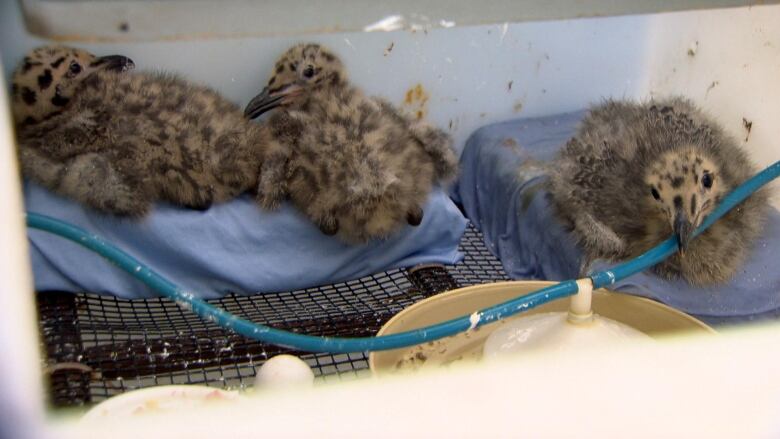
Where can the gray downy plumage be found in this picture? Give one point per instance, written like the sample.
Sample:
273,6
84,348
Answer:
637,173
355,165
118,141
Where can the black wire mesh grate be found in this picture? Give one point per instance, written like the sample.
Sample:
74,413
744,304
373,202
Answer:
98,346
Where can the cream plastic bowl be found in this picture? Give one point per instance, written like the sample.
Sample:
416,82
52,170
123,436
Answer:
647,316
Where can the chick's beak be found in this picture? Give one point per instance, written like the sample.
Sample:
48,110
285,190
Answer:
683,231
269,99
116,63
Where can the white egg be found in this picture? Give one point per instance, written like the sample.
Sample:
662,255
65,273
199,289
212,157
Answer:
284,371
551,331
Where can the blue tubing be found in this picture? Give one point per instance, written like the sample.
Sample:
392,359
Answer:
344,345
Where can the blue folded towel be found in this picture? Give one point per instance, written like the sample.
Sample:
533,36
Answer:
232,247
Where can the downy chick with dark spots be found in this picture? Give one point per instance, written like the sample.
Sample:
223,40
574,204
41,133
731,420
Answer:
636,174
118,141
356,165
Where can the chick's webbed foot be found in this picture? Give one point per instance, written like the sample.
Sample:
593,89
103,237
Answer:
414,217
329,227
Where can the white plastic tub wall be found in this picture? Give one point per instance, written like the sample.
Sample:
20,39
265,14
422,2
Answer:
728,60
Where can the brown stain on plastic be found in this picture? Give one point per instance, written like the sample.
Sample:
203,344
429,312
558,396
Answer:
416,98
389,48
511,144
748,124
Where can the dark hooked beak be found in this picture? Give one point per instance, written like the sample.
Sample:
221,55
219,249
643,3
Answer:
683,231
269,99
117,63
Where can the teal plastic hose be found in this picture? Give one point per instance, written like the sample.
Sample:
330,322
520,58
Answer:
410,338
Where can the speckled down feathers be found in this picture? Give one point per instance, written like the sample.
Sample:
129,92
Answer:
354,164
602,182
127,139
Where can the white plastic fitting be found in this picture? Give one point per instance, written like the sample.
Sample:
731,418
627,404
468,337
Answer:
580,310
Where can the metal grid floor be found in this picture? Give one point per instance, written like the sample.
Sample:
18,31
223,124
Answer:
99,346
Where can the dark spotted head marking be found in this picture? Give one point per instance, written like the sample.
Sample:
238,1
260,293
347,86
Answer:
59,100
48,77
28,64
58,62
679,190
29,97
44,80
301,70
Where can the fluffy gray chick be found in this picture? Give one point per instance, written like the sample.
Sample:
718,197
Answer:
118,141
354,164
636,174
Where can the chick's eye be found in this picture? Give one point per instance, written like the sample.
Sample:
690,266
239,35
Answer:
308,72
706,180
75,68
655,193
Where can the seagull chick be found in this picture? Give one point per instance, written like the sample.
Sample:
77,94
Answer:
118,141
354,164
636,174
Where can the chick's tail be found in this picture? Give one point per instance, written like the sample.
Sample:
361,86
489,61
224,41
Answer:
438,145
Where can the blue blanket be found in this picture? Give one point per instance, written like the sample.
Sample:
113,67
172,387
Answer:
232,247
500,189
